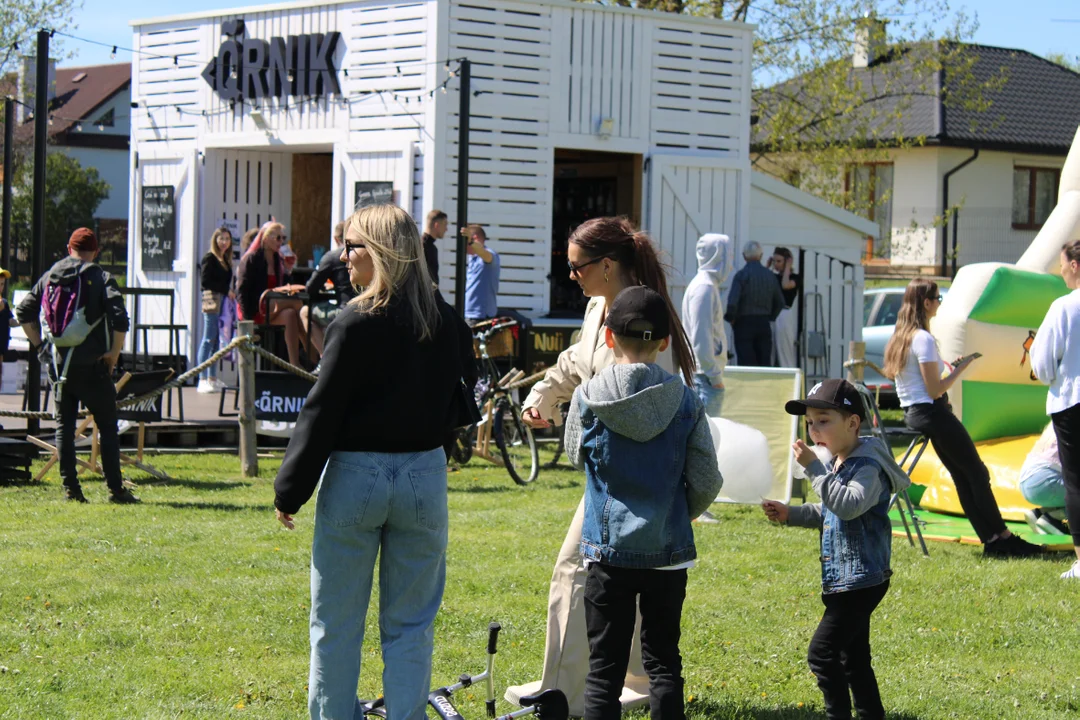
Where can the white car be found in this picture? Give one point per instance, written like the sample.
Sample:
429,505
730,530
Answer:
880,307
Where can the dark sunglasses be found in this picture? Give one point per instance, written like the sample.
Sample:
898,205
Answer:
939,298
577,268
349,247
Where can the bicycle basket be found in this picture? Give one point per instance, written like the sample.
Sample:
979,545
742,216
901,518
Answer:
501,344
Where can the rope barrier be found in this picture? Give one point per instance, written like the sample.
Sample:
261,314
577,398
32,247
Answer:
285,365
867,363
527,380
177,382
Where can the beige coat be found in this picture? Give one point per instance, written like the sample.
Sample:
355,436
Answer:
577,364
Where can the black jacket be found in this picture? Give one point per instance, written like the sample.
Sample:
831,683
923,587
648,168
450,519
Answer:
214,276
380,390
106,300
332,268
251,281
431,257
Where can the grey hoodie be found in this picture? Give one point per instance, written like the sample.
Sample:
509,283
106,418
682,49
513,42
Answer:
639,401
859,494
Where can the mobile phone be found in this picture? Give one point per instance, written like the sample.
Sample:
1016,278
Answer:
968,358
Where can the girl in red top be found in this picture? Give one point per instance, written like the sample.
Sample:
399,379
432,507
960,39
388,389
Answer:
263,270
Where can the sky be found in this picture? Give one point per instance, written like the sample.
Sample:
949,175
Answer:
1001,23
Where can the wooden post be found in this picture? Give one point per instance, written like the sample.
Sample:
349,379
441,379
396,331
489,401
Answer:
249,460
856,351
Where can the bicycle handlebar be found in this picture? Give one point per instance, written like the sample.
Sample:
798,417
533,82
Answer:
495,326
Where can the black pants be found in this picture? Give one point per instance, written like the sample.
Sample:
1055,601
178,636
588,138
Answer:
840,654
612,595
92,386
1067,429
753,341
957,452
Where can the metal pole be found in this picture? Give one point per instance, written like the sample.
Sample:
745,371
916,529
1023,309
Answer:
463,185
9,167
249,458
37,236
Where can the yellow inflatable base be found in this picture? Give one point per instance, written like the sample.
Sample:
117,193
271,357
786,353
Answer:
1003,458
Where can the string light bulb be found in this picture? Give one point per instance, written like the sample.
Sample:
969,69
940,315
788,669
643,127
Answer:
112,55
443,88
78,127
101,128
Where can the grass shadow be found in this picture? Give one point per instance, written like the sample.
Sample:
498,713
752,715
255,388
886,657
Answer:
738,711
21,482
195,484
229,507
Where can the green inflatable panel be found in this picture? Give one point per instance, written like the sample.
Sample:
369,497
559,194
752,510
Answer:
984,402
1017,297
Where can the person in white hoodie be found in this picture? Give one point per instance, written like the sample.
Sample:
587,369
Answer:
703,318
1055,360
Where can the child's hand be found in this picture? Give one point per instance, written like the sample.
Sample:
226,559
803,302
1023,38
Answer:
776,511
803,454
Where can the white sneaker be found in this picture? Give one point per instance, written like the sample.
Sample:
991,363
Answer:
218,384
206,387
1072,573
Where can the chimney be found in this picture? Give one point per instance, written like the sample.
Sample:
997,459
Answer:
871,41
27,89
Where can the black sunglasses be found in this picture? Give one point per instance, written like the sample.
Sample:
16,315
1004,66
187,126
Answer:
349,247
577,268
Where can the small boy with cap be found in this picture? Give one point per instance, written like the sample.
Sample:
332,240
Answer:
89,365
855,486
643,439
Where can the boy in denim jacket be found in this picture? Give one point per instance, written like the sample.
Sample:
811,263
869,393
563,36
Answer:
855,487
644,442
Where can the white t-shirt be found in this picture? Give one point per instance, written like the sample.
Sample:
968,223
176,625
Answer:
910,386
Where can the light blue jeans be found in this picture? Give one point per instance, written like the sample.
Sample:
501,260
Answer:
371,503
209,344
712,398
1044,487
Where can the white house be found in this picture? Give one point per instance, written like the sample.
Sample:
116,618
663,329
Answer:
1000,163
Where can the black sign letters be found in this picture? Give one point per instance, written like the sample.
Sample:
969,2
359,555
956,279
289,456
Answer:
254,69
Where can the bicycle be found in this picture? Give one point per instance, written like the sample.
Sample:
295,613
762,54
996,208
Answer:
545,705
500,412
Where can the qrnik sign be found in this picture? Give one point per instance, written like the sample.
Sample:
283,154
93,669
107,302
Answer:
251,68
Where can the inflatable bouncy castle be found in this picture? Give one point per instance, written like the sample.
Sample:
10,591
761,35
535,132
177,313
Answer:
995,309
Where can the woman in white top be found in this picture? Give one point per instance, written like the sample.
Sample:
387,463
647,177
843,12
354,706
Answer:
912,360
1055,360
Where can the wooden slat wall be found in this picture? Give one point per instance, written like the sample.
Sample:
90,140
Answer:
600,71
248,186
511,159
699,90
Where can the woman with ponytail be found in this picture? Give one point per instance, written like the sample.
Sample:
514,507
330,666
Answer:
912,360
604,256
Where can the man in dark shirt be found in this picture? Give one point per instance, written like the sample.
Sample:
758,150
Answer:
434,229
754,301
87,367
323,310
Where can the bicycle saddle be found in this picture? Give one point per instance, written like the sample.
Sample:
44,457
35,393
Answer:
550,704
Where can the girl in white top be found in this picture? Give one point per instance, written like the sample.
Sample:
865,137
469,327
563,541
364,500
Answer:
913,361
1055,360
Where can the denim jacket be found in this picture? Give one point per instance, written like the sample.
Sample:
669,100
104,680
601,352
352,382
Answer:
853,516
644,441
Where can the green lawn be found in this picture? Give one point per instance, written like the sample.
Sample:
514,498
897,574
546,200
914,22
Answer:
195,604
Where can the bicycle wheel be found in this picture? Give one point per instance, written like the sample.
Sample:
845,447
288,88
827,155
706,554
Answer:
516,443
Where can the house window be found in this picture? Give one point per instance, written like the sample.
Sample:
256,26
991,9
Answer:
108,119
1034,196
869,189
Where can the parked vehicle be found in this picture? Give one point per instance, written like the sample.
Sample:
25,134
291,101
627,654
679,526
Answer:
880,306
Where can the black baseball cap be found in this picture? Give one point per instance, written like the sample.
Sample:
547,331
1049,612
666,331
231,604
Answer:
639,312
829,395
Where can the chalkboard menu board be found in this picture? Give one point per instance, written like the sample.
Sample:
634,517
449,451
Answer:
158,227
372,193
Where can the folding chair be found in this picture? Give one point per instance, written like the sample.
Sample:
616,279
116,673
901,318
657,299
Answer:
905,508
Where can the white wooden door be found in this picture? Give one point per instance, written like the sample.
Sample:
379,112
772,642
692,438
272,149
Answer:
688,196
181,171
393,164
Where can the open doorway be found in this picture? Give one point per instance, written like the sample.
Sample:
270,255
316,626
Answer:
312,193
588,184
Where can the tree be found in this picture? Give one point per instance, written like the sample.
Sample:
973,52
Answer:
72,196
21,19
1073,63
813,117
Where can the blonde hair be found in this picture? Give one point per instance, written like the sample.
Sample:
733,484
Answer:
910,319
393,243
225,258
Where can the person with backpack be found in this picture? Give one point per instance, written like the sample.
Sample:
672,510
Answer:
77,309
